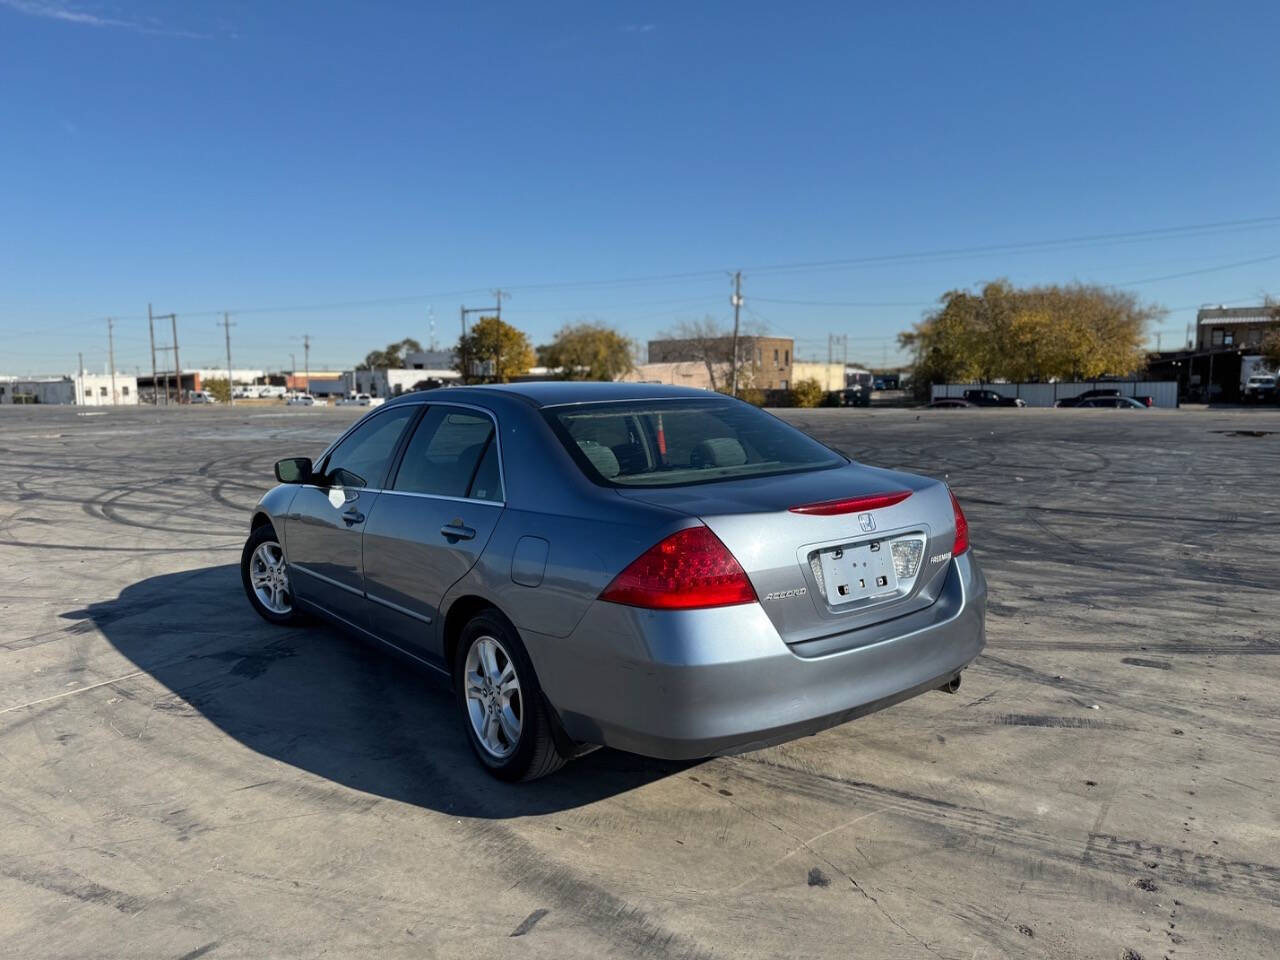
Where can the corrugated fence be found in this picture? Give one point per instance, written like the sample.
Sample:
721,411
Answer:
1164,393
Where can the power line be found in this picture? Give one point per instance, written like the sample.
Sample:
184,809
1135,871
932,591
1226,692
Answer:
1193,273
1159,233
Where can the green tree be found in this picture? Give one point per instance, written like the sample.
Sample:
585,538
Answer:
219,389
495,346
806,393
588,351
1036,333
392,357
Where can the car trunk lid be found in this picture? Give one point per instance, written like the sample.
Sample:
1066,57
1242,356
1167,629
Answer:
830,570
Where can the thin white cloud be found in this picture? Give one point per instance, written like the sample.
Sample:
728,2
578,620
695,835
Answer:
54,10
639,28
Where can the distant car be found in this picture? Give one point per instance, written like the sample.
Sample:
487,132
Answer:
949,403
268,390
1100,392
1260,388
358,400
203,396
858,395
879,384
301,400
990,398
1111,403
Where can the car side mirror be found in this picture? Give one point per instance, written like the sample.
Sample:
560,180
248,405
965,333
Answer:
294,470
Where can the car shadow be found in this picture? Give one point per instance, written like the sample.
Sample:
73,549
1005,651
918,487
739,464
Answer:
330,704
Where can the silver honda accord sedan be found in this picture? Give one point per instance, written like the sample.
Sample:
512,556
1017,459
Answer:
657,569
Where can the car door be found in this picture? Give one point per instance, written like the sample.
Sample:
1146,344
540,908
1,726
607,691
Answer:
431,524
325,522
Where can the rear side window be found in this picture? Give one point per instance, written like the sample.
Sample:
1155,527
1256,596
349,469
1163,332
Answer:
453,453
678,442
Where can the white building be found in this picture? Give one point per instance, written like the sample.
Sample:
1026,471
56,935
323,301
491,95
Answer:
830,376
395,381
89,390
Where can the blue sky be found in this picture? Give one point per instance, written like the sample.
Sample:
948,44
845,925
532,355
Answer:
401,158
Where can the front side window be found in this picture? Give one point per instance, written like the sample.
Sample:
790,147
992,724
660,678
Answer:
362,458
453,453
667,443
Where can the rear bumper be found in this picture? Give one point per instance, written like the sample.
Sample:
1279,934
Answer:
686,684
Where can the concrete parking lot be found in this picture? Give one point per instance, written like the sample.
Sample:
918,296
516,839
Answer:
182,780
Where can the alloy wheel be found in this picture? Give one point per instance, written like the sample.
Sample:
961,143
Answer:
494,703
269,578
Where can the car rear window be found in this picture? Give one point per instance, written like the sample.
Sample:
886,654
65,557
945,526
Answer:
667,443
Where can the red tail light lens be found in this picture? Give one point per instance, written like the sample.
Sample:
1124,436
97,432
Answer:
688,570
830,508
962,528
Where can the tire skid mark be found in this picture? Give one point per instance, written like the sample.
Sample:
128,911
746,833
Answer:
1108,854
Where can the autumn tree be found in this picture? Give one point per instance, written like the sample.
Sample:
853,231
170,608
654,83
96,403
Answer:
1271,342
806,393
1035,333
392,357
219,388
588,351
496,346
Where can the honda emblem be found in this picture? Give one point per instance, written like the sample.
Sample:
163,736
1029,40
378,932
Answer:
866,522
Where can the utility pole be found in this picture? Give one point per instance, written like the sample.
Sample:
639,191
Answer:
306,357
226,329
497,340
155,387
462,344
736,300
111,356
80,356
177,364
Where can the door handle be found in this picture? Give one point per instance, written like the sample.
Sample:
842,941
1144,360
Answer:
352,516
456,531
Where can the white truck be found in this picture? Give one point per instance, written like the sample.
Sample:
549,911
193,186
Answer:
267,390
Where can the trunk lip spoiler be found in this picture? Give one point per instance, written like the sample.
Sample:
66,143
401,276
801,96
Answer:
843,505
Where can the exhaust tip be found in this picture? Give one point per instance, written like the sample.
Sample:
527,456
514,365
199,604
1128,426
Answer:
952,685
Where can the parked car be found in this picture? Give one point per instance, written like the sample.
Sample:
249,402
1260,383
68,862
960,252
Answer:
358,400
858,395
1260,388
301,400
1079,399
201,396
269,390
1112,403
990,398
656,569
948,403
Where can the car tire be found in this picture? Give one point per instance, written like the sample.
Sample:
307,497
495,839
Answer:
490,656
265,576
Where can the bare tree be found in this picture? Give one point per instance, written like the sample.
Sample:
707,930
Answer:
710,342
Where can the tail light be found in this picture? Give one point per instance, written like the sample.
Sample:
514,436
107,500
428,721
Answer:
831,508
962,528
688,570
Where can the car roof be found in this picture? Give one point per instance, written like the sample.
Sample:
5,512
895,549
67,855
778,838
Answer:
546,393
